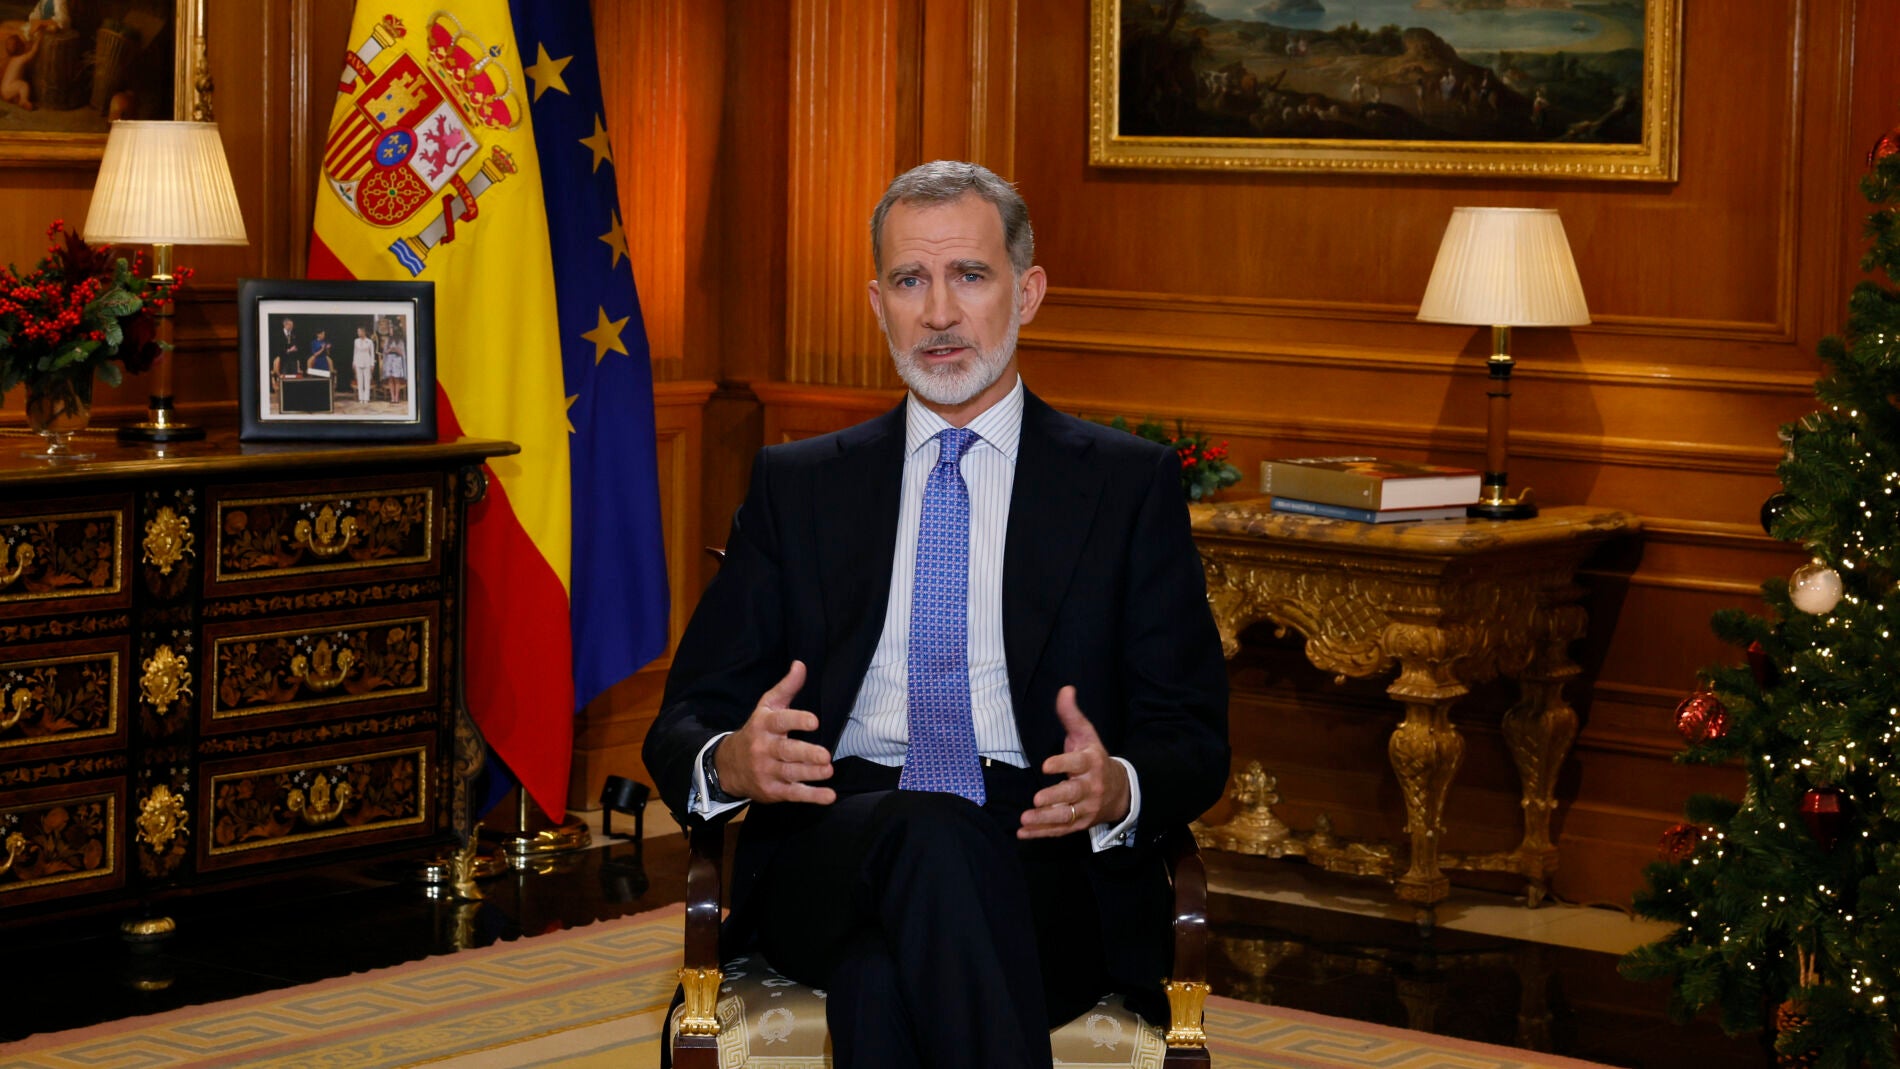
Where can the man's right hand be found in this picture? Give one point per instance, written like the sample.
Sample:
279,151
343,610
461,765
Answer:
763,763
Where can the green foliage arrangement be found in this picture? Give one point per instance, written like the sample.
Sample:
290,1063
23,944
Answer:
1204,466
81,312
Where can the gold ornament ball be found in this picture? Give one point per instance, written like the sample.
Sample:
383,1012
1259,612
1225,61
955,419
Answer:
1815,588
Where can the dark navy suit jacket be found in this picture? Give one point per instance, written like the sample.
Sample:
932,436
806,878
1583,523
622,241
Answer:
1102,589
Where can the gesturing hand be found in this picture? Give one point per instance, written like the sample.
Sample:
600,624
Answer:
1096,790
761,760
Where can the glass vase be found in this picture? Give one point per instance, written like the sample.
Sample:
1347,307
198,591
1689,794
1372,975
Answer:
56,409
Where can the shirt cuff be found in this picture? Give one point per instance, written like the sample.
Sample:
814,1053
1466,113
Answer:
1102,836
697,799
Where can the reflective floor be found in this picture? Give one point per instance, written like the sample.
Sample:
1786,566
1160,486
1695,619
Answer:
1491,972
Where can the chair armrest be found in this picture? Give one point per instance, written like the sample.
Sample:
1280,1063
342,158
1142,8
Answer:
1189,875
708,846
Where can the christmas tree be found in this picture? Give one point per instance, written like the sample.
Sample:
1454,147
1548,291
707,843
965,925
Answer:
1788,901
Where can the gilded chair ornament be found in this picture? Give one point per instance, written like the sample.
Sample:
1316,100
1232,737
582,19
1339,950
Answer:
162,817
22,556
1187,1006
329,536
325,668
166,678
168,540
702,998
324,803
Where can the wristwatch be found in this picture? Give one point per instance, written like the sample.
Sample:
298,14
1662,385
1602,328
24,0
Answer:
710,768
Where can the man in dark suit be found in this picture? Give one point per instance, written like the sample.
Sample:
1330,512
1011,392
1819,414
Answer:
287,355
959,661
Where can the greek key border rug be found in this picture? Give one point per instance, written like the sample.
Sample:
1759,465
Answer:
588,998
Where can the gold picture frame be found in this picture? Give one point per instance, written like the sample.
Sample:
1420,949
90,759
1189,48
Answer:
1174,85
76,135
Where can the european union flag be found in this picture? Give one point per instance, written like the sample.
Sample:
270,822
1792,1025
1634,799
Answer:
618,593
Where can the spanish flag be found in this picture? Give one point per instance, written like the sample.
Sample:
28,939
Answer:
468,148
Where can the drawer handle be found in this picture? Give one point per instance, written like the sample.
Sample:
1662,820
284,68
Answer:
23,557
15,710
321,671
332,536
162,818
16,845
323,805
168,540
166,679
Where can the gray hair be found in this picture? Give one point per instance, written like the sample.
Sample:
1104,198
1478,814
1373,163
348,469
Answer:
942,181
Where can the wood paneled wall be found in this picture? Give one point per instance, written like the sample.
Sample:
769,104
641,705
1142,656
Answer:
1276,311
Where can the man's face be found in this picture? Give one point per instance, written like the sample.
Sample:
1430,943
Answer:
949,304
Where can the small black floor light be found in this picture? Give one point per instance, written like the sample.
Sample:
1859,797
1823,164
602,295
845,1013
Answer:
629,797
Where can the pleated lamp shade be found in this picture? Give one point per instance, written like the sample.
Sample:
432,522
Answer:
1505,267
164,183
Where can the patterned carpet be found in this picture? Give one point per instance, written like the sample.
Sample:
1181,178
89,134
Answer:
594,997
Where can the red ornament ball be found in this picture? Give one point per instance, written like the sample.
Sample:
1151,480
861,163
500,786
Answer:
1823,812
1681,840
1701,717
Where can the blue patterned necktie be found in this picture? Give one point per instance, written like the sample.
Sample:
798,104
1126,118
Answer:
942,755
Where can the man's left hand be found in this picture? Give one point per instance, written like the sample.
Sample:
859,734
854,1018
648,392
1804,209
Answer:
1096,790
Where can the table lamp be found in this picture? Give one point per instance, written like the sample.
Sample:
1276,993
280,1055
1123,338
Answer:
1503,268
163,184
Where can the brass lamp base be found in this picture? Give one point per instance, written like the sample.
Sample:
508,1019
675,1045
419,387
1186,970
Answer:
1493,505
1501,510
161,424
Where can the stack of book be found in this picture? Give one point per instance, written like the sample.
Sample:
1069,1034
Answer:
1369,489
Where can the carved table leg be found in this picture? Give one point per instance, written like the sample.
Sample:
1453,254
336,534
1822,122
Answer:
1228,602
1540,728
1425,751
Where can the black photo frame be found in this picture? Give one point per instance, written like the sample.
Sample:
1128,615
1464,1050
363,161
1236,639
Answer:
298,371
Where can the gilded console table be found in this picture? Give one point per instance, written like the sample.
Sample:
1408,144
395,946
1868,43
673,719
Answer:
220,660
1448,604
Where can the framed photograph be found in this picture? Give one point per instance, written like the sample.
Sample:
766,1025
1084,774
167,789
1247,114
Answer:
336,360
70,67
1500,88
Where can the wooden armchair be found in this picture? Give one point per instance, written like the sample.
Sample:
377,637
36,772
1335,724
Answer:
743,1010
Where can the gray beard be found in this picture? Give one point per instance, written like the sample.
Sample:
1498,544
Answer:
956,384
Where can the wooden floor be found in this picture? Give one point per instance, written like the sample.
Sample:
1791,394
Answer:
72,972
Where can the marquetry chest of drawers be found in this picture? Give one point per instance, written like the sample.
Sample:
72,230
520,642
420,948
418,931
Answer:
222,659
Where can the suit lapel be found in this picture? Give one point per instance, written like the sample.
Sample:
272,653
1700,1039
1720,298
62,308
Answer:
857,494
1051,509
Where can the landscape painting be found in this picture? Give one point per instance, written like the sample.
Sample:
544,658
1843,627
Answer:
1542,88
69,68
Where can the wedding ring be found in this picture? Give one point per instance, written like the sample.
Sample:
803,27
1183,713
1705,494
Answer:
1071,812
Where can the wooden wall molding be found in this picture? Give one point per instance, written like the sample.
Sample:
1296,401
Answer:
1627,452
968,83
1599,372
1211,305
645,85
843,149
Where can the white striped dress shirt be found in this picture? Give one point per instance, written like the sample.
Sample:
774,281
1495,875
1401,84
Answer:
879,728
